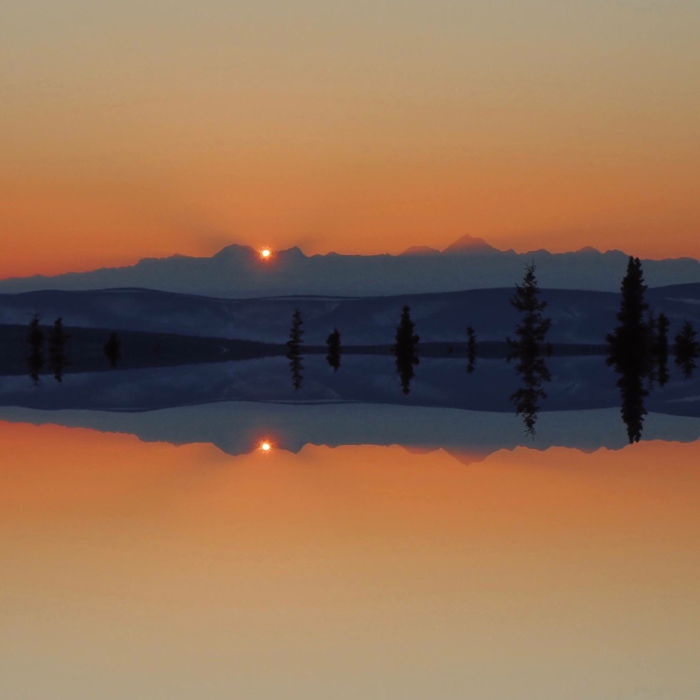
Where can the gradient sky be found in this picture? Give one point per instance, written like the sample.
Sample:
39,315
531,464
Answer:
150,128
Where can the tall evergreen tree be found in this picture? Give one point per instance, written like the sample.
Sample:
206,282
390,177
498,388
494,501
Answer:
529,349
631,348
294,349
35,335
631,340
57,349
405,349
113,349
334,349
531,332
406,341
471,349
295,333
35,338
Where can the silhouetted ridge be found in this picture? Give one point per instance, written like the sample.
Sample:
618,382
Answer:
421,250
470,244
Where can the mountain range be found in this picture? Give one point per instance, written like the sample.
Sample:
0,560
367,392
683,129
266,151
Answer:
238,272
578,316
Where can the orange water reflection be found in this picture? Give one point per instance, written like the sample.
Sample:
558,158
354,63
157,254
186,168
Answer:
147,570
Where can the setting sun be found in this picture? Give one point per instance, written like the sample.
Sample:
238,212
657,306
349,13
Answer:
265,446
265,253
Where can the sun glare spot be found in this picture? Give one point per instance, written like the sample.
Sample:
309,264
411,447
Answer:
265,446
265,253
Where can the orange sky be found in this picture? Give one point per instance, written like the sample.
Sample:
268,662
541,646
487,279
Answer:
356,127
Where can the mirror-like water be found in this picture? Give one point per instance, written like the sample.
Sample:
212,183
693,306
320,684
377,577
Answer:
430,552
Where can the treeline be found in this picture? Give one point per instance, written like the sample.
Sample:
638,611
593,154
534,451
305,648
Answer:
639,348
55,350
641,338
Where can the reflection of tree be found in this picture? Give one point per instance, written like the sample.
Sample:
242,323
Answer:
296,367
632,395
534,373
113,349
687,349
35,338
471,349
405,349
632,347
529,349
294,349
57,349
334,349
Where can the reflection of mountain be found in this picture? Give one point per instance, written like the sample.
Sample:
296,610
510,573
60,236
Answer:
577,383
238,428
235,404
578,316
236,271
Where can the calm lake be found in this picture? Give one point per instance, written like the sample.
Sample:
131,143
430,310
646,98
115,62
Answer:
152,548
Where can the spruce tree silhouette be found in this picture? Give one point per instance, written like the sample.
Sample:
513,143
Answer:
471,349
113,349
57,349
405,349
631,340
334,349
687,349
35,338
294,349
631,349
529,349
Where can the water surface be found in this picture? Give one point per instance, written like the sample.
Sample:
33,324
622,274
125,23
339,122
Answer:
468,560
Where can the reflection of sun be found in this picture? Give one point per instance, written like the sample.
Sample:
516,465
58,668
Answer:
265,253
265,446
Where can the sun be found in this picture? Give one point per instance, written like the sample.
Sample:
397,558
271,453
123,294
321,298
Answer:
265,253
265,446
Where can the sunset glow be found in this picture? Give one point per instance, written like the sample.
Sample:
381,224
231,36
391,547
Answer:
336,128
265,253
265,446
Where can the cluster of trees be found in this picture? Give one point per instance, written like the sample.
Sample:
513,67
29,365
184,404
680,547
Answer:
638,349
56,346
294,347
640,341
404,349
57,340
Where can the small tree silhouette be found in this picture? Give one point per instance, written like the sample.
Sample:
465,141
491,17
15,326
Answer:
294,349
471,349
57,349
687,349
113,349
405,349
529,349
334,349
35,338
